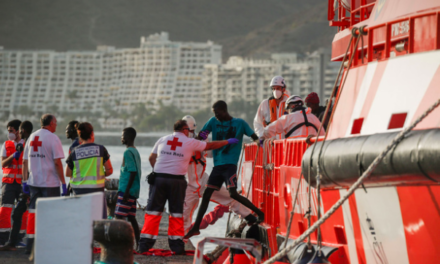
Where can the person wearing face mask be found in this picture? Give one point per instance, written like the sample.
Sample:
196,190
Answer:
272,108
12,160
170,159
300,122
197,179
19,214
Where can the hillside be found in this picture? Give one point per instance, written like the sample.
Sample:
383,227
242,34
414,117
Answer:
243,27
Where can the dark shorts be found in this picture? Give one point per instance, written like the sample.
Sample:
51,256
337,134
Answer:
223,174
125,209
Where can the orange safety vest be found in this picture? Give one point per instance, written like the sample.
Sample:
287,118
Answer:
13,171
273,108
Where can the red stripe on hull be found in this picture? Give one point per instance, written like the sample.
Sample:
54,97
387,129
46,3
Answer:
347,101
431,95
373,88
420,207
357,230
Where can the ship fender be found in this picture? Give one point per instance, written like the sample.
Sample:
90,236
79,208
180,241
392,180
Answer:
413,161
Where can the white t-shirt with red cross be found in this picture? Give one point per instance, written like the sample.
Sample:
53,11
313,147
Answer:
42,148
174,152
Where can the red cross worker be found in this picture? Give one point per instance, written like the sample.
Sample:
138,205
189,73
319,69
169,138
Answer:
170,159
42,159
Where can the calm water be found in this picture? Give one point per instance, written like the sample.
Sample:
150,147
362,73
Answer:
116,153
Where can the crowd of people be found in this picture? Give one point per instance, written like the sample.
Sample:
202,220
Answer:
33,169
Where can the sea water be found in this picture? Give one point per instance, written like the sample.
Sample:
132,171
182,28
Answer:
116,153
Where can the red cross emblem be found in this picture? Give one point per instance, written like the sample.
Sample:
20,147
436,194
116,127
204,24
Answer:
36,143
175,143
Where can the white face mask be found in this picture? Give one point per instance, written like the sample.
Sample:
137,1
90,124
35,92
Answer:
12,136
277,94
191,135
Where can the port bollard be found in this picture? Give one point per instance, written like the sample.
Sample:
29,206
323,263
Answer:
116,238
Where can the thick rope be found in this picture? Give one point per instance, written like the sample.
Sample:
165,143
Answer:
356,185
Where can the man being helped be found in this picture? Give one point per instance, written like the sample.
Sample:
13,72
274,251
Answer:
72,134
312,102
19,217
169,159
42,158
272,108
129,182
298,123
88,165
224,126
197,178
12,175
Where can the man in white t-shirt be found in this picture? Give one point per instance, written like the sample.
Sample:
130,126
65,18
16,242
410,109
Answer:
42,158
169,159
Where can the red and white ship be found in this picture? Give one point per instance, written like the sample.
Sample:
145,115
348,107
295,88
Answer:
393,77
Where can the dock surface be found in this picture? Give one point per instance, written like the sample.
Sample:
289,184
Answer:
19,257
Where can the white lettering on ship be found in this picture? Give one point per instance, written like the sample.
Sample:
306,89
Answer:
87,152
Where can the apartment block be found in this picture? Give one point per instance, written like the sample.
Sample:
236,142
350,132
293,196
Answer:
249,79
159,71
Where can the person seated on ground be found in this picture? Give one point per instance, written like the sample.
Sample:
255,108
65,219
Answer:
224,126
129,182
298,123
88,165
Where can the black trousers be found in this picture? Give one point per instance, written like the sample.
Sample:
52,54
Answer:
37,192
10,193
17,214
166,188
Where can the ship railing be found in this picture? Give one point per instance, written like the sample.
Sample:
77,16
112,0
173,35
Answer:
347,17
267,178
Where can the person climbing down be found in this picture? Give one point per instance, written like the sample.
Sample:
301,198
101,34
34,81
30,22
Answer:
197,178
224,126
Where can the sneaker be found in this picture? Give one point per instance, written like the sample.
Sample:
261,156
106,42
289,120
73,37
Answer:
21,245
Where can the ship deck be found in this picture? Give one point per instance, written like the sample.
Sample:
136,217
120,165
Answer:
19,257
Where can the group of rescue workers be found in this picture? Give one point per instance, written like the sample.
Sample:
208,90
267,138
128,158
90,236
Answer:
32,168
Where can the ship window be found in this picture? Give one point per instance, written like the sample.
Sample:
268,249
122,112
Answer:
357,126
397,120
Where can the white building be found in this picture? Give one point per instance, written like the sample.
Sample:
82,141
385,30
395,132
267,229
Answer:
108,78
249,79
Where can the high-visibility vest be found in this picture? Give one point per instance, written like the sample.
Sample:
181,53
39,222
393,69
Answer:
88,172
274,113
14,170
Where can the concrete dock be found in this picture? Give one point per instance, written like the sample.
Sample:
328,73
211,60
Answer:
19,257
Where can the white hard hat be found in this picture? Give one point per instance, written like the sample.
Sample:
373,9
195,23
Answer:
277,81
190,121
294,99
